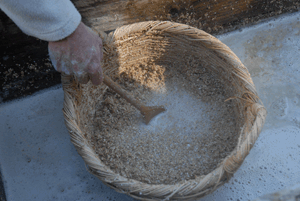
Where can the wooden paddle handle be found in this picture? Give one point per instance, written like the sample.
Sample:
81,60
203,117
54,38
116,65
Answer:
118,89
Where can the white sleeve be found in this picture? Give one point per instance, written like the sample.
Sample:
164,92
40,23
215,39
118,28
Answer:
49,20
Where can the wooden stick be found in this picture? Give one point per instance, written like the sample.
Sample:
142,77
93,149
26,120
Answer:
147,112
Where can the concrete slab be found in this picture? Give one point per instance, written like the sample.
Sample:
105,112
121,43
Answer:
38,161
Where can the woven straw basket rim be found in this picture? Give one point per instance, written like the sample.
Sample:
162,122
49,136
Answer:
186,190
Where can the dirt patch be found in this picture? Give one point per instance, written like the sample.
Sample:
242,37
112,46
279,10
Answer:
21,78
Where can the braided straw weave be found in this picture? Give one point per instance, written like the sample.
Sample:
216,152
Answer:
216,56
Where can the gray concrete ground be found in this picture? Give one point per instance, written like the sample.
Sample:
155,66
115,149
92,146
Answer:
38,161
289,194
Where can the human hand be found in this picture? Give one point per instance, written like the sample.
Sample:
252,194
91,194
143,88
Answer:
79,54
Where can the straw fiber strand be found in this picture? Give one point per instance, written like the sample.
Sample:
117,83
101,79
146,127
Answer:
216,56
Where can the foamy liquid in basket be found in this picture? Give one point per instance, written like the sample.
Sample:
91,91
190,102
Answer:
184,114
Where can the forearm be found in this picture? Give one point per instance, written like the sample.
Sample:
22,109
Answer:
49,20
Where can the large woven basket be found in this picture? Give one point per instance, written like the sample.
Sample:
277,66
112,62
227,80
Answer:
215,56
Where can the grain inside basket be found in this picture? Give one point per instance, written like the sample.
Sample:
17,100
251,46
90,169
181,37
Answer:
191,138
